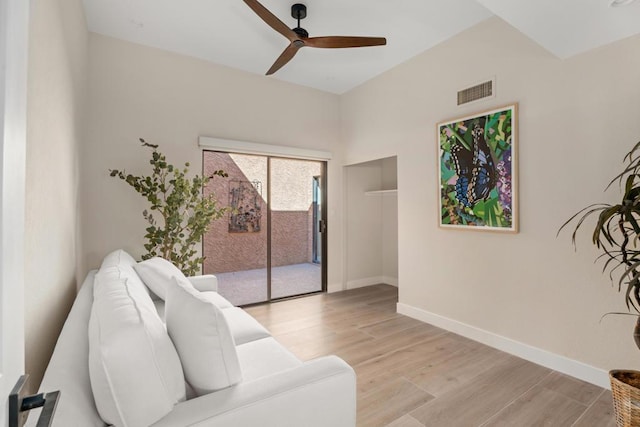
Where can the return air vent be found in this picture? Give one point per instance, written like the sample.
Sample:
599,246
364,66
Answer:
477,92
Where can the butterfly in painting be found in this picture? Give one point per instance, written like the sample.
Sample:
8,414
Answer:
475,168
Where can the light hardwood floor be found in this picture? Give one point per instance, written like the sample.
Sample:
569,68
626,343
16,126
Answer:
411,374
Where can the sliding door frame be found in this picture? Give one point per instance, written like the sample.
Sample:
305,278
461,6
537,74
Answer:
269,266
323,224
324,227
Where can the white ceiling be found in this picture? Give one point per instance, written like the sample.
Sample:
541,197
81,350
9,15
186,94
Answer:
569,27
228,32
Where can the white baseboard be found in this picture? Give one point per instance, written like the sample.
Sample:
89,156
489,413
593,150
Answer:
393,281
361,283
369,281
334,287
545,358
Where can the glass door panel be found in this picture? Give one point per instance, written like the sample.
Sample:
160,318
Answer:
294,230
317,220
235,247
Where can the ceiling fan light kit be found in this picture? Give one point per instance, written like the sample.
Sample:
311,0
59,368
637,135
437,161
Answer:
299,37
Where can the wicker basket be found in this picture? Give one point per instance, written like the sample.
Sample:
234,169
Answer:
625,387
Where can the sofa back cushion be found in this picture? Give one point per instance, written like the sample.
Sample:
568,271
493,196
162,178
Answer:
157,273
119,265
135,371
117,258
202,337
68,369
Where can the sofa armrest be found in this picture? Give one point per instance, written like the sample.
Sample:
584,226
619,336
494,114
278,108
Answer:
319,393
205,283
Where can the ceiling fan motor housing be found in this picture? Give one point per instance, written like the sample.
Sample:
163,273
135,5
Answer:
301,32
299,11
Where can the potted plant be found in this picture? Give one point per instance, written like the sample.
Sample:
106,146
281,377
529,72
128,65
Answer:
617,234
179,212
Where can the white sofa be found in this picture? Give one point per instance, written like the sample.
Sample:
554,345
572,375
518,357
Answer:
276,389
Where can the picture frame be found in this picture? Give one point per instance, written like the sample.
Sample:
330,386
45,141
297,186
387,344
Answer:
478,171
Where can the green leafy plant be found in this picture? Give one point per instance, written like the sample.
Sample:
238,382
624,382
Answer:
616,234
184,213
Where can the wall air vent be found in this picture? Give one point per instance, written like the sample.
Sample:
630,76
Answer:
477,92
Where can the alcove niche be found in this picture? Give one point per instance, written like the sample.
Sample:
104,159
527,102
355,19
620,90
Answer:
371,201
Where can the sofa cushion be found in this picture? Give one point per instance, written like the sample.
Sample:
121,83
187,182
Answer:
264,357
118,265
244,328
157,274
213,297
68,369
220,301
117,258
203,339
204,283
135,372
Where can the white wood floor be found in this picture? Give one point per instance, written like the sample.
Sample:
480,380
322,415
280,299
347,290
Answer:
411,374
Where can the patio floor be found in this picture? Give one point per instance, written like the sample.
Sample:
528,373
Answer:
250,286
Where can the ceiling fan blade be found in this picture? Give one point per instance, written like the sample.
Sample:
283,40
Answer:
344,41
271,19
285,57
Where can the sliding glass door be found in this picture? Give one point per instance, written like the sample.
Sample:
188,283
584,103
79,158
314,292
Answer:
235,248
271,244
293,270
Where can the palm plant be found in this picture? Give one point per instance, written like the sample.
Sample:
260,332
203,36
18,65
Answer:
616,233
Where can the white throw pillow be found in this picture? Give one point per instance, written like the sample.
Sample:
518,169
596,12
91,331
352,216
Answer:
202,337
136,375
217,299
157,273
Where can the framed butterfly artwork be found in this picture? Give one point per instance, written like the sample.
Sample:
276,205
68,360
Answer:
478,171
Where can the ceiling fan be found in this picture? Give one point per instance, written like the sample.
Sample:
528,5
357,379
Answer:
299,37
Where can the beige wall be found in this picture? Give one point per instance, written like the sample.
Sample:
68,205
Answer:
578,117
390,221
56,113
363,224
170,100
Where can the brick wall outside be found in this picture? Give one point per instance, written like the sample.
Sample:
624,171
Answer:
291,230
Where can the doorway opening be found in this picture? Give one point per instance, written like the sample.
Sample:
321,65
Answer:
271,245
